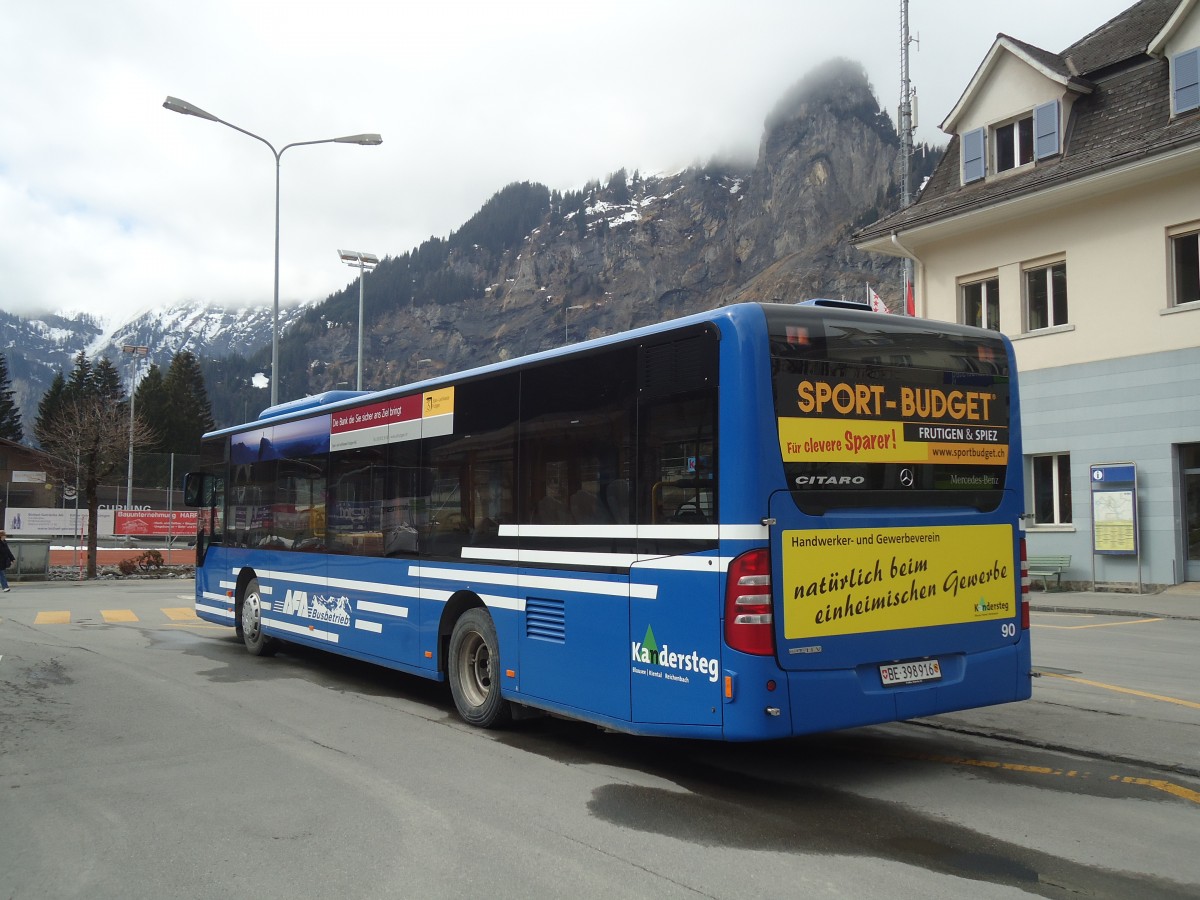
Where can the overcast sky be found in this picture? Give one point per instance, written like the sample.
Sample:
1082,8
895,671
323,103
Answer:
110,203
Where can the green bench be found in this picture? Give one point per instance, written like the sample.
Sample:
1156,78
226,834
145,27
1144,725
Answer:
1044,566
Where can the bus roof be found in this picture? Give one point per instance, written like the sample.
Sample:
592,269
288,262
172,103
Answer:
333,400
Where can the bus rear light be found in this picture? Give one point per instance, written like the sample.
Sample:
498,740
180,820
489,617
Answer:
749,614
1024,588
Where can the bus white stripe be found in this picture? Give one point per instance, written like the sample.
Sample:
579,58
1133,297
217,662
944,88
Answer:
383,608
374,587
363,625
543,582
304,630
213,611
685,563
745,532
514,603
611,532
504,579
562,557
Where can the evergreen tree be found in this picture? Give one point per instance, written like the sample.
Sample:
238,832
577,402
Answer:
10,416
51,403
80,381
189,411
106,382
84,426
151,405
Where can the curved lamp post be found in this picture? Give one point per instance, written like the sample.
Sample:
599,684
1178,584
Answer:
370,140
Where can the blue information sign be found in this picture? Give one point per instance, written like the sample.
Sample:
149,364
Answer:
1114,509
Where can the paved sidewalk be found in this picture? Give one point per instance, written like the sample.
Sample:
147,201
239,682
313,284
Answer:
1178,602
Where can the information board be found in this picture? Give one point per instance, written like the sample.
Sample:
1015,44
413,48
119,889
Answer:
1114,509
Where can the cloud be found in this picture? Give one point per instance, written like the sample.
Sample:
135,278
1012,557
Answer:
110,202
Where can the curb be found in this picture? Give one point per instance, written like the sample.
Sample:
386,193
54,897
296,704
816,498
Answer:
1108,611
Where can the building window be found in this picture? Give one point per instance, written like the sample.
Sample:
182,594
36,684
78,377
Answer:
981,304
1046,296
1014,144
1052,489
1185,258
1185,78
974,155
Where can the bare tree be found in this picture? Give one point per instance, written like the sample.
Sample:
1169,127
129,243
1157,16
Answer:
88,439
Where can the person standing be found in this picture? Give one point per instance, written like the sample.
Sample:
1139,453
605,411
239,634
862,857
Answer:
6,560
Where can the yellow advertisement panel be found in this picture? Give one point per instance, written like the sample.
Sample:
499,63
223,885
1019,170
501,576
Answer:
856,580
437,403
830,420
857,441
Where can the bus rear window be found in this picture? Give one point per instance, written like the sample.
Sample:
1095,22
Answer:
877,410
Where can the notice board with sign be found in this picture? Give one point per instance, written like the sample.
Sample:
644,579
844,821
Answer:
1114,513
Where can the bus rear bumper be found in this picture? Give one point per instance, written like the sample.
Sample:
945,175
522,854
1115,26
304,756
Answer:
826,700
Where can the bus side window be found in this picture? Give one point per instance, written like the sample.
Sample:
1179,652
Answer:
577,440
678,481
471,493
677,428
352,521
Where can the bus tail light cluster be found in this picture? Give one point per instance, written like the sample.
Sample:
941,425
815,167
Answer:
1024,589
749,615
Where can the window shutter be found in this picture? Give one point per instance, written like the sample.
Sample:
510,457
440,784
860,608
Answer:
1045,130
1187,80
974,147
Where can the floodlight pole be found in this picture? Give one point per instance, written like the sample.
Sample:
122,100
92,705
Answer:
363,262
136,352
370,140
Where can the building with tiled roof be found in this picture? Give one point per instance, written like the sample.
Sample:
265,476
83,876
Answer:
1066,213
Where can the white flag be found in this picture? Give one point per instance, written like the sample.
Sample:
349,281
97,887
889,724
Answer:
877,305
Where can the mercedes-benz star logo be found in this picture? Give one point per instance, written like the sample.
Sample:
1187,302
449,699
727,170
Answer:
906,477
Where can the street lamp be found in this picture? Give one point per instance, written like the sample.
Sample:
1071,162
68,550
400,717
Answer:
364,262
567,309
135,352
370,140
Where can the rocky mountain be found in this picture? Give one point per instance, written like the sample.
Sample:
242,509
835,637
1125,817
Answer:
536,268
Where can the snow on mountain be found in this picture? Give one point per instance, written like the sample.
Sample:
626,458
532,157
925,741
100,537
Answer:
36,349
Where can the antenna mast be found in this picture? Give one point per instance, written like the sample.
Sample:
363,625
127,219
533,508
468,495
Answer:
906,145
906,111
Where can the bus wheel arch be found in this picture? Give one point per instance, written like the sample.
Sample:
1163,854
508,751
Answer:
472,662
248,616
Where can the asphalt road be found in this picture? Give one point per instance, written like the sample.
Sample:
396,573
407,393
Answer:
146,755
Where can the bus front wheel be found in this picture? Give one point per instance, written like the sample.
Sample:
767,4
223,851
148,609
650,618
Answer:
474,664
250,622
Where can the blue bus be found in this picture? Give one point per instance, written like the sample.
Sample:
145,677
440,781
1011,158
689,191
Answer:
757,522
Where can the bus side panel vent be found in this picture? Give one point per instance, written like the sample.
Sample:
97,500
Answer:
546,620
678,367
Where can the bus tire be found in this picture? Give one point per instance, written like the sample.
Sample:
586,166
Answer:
249,622
474,670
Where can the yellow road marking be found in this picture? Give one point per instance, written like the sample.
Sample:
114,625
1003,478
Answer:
118,615
181,614
1123,690
1100,625
1158,784
53,617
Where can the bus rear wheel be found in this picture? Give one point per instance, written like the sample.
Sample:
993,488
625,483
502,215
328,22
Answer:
474,670
249,621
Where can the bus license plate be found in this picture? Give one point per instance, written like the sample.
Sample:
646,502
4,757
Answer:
911,672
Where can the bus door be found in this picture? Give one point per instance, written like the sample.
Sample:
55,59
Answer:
675,588
675,641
